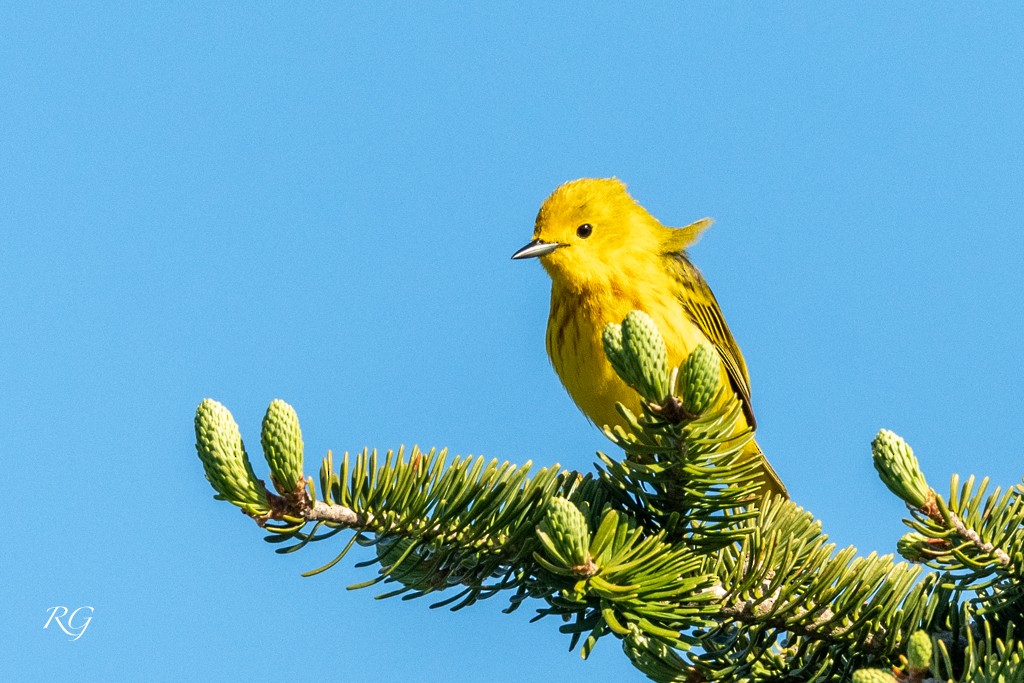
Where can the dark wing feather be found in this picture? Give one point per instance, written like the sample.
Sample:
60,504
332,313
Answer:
702,307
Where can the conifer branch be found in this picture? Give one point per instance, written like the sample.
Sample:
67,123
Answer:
814,624
338,514
983,547
669,548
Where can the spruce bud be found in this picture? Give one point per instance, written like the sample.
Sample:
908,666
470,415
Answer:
700,379
919,651
227,466
899,470
281,438
653,656
645,347
872,676
611,339
565,532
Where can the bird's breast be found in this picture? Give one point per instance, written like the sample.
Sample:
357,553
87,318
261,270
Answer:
574,345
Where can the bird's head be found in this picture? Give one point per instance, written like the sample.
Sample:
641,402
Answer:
591,231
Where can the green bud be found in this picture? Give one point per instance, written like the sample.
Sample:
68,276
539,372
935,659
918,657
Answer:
645,347
568,532
700,379
919,651
611,339
654,657
282,446
227,466
899,469
872,676
636,351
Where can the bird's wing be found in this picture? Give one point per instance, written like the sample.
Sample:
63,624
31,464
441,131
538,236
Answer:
702,307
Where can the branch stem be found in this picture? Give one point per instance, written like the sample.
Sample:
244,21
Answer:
339,514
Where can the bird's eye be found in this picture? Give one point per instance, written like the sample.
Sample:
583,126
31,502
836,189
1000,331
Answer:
585,230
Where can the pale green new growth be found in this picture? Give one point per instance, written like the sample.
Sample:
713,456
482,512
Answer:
636,350
919,651
225,461
873,676
281,439
611,339
644,346
655,657
565,534
898,468
700,379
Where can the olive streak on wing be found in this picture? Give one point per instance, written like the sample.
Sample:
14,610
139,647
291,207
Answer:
702,307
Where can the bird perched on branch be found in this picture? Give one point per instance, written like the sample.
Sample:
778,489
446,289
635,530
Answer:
607,255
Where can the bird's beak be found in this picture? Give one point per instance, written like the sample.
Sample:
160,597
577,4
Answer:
537,248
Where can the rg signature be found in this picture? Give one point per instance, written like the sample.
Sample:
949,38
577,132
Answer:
73,623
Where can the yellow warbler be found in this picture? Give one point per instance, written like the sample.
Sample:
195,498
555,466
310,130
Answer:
606,256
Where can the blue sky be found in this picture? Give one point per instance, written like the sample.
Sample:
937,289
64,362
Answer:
318,203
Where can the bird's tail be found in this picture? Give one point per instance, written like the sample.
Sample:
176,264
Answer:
770,482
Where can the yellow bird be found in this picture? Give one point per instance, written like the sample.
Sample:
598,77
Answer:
606,256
